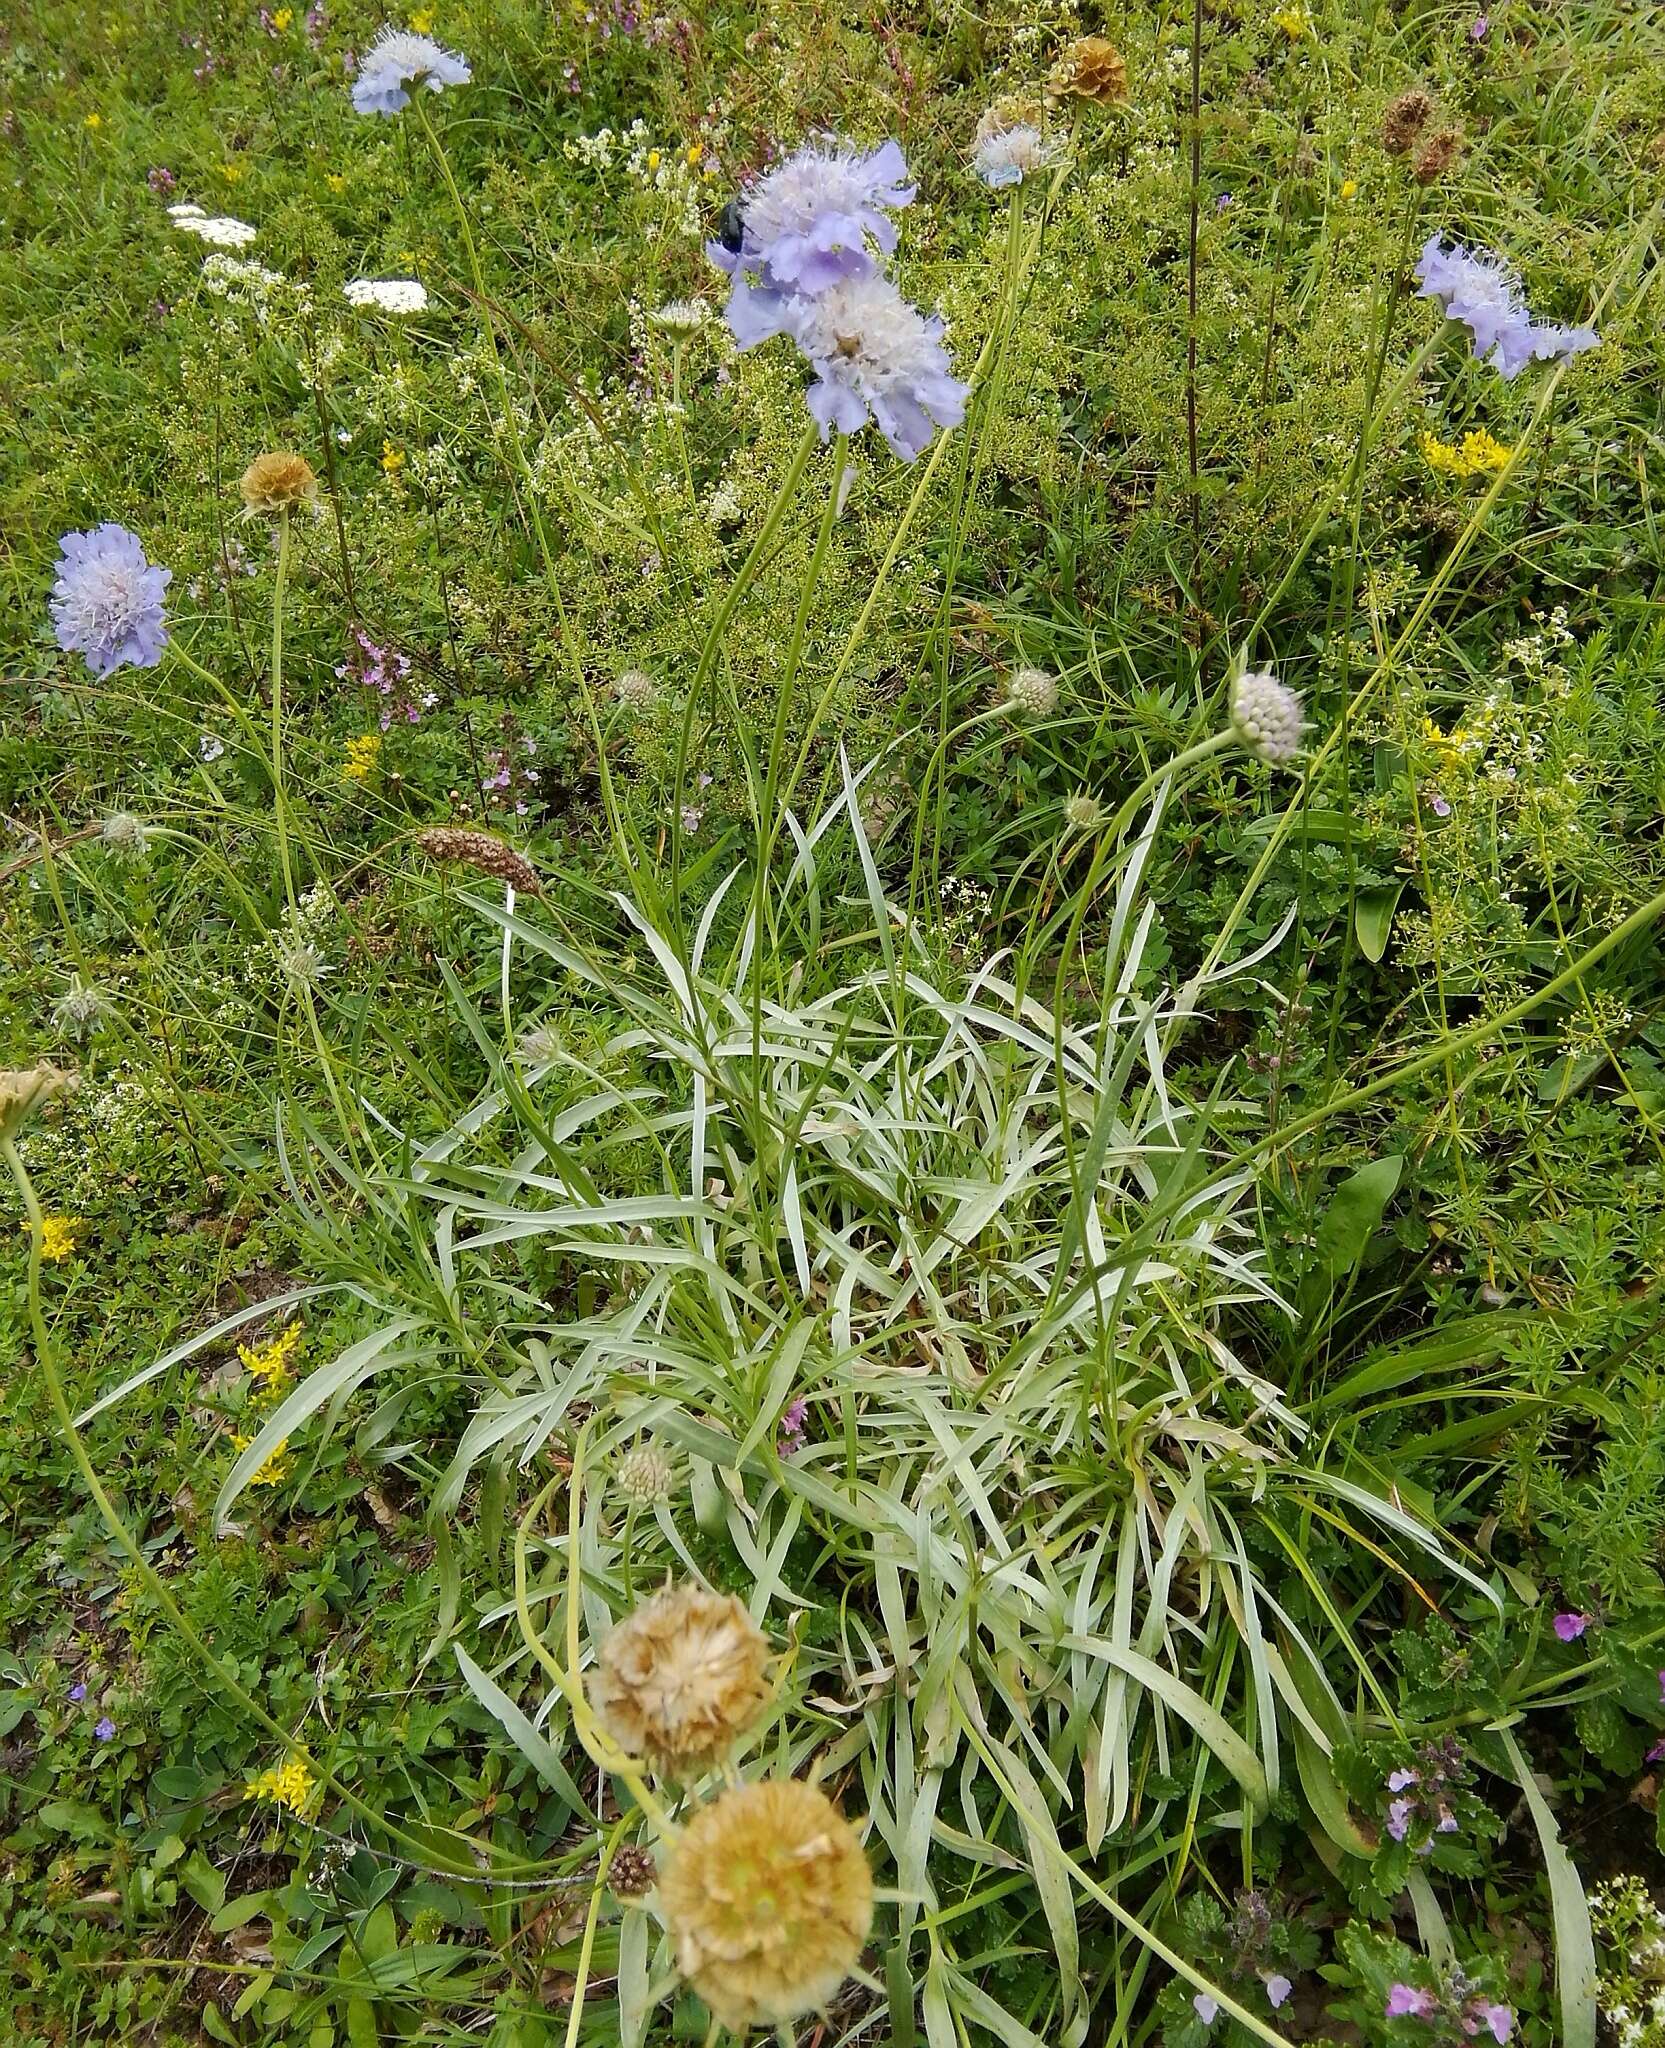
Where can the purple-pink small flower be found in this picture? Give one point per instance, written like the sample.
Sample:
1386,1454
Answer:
1402,1779
1399,1819
1662,1688
161,180
104,1728
1404,2001
1497,2020
1656,1755
1278,1988
1479,28
78,1690
1569,1627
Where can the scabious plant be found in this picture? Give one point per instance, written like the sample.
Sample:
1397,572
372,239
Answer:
681,1678
808,223
107,601
399,58
1009,146
875,357
1481,292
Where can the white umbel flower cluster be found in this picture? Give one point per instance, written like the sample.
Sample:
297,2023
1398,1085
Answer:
219,230
1266,717
387,294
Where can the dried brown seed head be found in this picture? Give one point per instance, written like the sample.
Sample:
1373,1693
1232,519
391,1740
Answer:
1091,68
276,483
681,1678
482,851
1405,120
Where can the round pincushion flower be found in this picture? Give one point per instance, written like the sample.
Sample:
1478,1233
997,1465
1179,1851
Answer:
398,58
681,1678
1266,716
108,600
768,1899
275,483
1032,690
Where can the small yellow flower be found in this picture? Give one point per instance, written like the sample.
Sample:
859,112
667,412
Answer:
422,20
234,174
361,756
1293,22
335,181
710,171
393,459
1349,188
695,151
289,1785
274,1470
282,17
94,121
653,159
57,1236
270,1362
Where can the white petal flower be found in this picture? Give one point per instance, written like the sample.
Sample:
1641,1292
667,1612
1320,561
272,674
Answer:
387,294
220,230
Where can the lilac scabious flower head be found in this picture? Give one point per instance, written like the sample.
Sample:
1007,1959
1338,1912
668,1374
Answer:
875,357
104,1728
807,223
107,602
1482,292
1008,148
1404,2001
1266,717
399,57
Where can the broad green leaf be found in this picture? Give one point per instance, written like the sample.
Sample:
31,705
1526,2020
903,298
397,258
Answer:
1373,919
1355,1212
1575,1948
519,1730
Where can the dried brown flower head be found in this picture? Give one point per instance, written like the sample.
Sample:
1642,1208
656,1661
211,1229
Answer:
1405,120
632,1874
1090,69
23,1090
768,1899
482,851
278,482
1437,156
679,1679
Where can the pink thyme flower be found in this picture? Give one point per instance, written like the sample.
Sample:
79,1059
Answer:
1569,1627
1404,2001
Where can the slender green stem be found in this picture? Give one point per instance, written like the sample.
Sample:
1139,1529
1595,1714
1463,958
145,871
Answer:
280,817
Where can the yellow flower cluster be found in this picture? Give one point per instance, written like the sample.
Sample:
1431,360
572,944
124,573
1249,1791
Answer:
1477,454
361,756
1294,23
268,1365
57,1236
287,1785
393,459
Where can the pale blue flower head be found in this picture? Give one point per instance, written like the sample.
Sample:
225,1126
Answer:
107,600
874,357
1484,294
398,58
811,222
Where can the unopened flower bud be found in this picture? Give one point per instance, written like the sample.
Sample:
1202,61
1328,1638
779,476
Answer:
1266,716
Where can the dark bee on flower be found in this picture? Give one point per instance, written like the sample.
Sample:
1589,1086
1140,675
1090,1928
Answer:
731,227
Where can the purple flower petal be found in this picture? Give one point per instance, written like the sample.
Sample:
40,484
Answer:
104,1728
1401,1780
1399,1819
1278,1988
1569,1627
78,1691
1404,2001
1207,2009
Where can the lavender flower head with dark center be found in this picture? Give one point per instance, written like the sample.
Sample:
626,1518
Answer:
107,602
875,357
399,58
1484,294
806,226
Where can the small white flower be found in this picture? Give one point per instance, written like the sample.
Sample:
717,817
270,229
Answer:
636,689
681,319
723,507
127,837
387,294
210,747
1083,813
1266,716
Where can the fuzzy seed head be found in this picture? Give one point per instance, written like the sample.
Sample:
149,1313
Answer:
125,836
277,483
1032,690
636,690
1083,813
80,1011
1437,156
680,319
482,851
644,1475
1266,716
768,1899
1405,120
632,1874
1090,69
681,1678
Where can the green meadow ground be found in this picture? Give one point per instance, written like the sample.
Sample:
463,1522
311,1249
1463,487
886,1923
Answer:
1145,1279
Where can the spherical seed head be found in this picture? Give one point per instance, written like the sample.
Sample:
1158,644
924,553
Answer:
632,1874
680,1679
635,689
1083,812
275,483
1032,690
1267,718
1437,156
81,1010
681,319
23,1090
644,1475
768,1899
1090,69
127,837
1405,120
